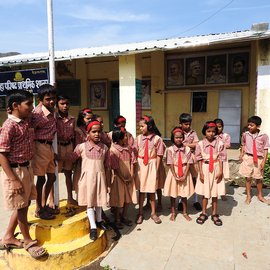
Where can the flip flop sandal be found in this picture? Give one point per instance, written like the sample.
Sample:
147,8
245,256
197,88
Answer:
201,219
217,221
34,250
44,215
156,219
52,211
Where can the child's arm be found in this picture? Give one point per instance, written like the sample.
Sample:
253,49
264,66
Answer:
198,156
173,172
15,183
220,173
265,154
184,177
242,151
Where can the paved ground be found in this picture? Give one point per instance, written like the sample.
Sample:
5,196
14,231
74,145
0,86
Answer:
242,243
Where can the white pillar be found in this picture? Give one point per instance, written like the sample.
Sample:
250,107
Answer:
127,90
263,86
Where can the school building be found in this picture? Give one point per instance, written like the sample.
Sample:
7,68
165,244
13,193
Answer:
225,75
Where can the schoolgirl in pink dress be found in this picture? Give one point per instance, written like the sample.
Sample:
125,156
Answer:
84,117
179,180
123,190
92,185
226,139
210,153
149,147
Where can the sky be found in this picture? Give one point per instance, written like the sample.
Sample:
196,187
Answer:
91,23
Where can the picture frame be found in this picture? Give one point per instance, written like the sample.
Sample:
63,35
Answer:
216,69
238,68
98,94
3,103
174,73
146,94
195,71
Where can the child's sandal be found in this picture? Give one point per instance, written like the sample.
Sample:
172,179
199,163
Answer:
202,218
217,221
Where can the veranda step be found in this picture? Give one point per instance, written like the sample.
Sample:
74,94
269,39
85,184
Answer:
66,256
61,229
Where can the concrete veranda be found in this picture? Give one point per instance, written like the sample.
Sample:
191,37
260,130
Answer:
187,245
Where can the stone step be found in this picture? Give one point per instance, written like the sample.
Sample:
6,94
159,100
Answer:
66,256
62,229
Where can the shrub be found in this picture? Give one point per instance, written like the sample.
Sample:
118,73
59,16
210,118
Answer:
266,179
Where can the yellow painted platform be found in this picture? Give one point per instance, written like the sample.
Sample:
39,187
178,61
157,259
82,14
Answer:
66,240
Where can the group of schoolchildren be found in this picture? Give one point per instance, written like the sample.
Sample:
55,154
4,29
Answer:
96,163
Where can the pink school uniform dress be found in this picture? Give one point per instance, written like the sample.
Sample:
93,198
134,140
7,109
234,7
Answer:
122,158
226,139
192,137
80,137
92,185
210,188
249,167
147,177
172,187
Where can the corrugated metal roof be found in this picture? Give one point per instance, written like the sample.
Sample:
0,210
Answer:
138,47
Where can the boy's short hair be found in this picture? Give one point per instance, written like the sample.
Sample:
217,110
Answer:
185,117
18,96
62,97
208,125
255,120
45,89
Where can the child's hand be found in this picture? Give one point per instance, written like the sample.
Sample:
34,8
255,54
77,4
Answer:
262,166
182,178
219,177
177,178
241,157
202,177
16,187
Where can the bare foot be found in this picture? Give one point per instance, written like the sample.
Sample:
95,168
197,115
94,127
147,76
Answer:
172,217
224,198
12,241
248,200
262,199
187,217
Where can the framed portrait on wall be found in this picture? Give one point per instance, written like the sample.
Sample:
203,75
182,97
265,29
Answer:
146,94
3,104
216,69
195,71
174,73
98,94
238,67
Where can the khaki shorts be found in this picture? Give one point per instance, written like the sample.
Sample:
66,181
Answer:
18,201
43,160
63,151
249,169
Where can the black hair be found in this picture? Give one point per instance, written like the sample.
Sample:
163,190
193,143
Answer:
17,96
82,113
62,97
45,89
118,134
115,120
172,134
151,125
185,117
255,120
219,121
207,125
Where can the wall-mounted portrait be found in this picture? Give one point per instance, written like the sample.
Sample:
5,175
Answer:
175,72
146,94
195,70
98,94
238,67
216,69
